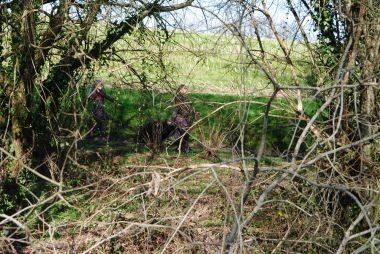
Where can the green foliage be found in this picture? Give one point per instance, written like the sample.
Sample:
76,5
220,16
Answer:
332,29
329,24
130,207
61,213
15,191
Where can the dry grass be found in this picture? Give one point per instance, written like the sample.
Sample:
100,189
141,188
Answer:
190,211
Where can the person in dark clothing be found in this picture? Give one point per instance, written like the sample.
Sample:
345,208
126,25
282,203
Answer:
99,96
182,118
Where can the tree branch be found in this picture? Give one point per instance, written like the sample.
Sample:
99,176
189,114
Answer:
56,24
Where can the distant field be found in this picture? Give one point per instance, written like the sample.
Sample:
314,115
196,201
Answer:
208,63
219,63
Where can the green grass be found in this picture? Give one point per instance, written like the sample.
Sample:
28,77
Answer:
63,214
208,63
222,112
220,63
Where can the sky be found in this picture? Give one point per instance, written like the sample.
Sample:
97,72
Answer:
198,20
194,18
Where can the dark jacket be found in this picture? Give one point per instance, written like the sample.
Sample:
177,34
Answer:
100,96
183,113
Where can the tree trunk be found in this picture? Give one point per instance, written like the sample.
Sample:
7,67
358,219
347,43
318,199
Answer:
18,102
23,39
370,72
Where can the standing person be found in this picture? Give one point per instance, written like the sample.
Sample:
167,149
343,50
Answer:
99,96
182,117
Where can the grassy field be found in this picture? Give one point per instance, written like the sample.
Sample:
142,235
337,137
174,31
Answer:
208,63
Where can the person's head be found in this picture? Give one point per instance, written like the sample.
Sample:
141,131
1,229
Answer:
182,90
98,84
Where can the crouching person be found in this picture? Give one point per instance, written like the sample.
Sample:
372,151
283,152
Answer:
182,118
